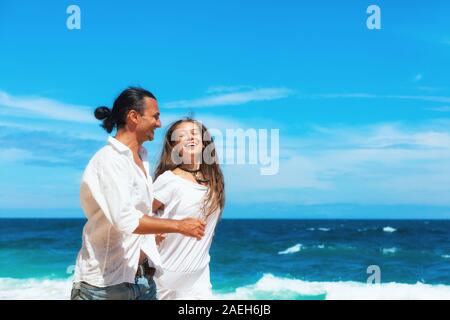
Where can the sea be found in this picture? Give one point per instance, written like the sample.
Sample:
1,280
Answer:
259,259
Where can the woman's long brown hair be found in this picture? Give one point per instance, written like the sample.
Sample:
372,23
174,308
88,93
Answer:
215,196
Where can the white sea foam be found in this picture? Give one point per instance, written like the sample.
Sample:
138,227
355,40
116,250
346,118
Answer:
272,287
292,249
389,250
389,229
34,289
320,229
268,287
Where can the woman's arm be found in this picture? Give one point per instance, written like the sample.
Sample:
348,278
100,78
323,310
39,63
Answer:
157,205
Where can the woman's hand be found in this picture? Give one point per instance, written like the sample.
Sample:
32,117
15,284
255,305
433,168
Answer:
160,237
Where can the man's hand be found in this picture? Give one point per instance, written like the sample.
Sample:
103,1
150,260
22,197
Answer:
188,227
191,227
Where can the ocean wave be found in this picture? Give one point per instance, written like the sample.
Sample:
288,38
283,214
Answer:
446,256
300,247
269,287
333,248
272,287
389,229
320,229
367,229
292,249
389,250
35,289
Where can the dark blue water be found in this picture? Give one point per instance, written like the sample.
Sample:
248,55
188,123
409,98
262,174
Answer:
340,250
245,250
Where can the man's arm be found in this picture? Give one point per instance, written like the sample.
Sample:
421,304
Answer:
189,227
115,201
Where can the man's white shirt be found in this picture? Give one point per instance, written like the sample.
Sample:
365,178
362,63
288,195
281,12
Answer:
115,194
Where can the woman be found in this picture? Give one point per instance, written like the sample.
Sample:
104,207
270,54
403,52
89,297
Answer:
189,183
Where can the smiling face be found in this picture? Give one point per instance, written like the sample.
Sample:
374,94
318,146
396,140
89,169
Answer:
148,121
189,140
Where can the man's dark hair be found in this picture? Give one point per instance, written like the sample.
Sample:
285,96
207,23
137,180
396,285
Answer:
130,99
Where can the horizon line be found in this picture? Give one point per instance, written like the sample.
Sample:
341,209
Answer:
250,218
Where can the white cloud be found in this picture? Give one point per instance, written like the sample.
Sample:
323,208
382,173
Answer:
14,154
442,99
84,133
387,135
383,164
233,98
297,172
440,109
418,77
46,108
429,89
220,89
210,121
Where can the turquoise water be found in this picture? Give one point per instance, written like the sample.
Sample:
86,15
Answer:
258,259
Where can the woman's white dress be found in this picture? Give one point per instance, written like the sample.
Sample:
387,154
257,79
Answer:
185,260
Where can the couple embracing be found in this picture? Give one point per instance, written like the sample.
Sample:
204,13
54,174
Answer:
145,239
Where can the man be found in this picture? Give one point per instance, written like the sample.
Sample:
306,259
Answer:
118,258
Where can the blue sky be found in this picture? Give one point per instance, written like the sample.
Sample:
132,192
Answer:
364,115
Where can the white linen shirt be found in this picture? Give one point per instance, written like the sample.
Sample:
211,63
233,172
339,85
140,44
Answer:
115,194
